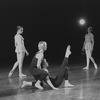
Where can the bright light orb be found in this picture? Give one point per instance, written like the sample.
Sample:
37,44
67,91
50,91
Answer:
81,21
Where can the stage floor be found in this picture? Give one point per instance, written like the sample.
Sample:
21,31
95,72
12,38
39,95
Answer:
86,86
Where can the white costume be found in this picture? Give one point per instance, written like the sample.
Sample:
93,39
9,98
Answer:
19,44
20,51
88,46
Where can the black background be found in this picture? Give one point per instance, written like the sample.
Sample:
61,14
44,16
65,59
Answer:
54,21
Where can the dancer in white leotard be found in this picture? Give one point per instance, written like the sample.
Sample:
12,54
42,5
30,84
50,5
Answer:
88,47
20,52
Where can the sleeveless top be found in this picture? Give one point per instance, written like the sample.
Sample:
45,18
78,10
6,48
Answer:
34,62
19,40
88,37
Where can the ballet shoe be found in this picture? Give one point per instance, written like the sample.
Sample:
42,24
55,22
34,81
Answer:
38,86
86,68
22,75
10,73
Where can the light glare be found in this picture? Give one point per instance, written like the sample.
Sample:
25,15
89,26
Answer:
81,21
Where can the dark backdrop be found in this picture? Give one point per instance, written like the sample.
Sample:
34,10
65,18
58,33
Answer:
54,21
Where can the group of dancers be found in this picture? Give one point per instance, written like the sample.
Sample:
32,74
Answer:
39,66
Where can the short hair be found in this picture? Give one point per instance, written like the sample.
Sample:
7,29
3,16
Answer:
19,27
42,45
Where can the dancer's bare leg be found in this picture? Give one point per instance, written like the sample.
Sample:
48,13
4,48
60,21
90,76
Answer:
87,59
95,65
20,60
14,67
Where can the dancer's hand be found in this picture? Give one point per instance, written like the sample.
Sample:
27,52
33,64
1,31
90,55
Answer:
27,53
45,69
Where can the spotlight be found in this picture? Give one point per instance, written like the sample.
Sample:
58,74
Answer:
82,21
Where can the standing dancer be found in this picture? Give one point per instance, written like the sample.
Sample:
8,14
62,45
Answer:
88,47
20,52
58,79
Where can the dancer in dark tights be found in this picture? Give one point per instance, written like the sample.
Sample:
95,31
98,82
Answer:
56,81
62,73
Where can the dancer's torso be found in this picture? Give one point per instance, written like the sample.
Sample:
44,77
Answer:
19,40
88,37
88,40
35,60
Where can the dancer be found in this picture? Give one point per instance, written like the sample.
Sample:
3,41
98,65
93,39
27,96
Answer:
54,81
20,52
88,47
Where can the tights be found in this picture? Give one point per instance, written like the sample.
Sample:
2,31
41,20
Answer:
61,75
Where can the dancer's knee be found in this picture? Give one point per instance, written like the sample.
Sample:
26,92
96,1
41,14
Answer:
44,76
16,62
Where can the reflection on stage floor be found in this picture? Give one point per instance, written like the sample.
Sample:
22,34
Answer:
86,86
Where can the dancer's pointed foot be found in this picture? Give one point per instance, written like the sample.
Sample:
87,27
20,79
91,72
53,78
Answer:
96,66
68,52
86,67
22,75
10,73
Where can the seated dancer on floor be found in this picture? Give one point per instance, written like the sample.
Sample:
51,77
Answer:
39,71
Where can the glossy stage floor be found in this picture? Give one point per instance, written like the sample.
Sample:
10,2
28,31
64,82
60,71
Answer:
86,86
